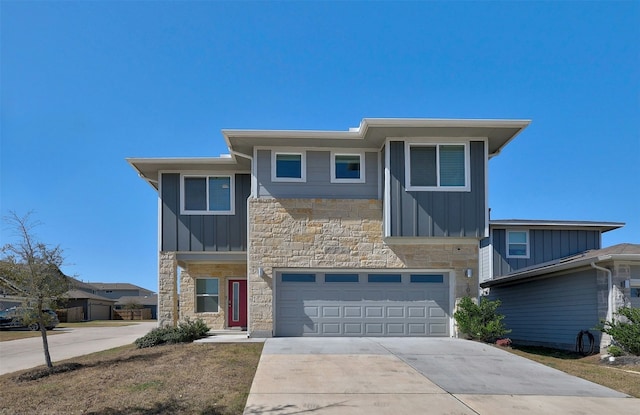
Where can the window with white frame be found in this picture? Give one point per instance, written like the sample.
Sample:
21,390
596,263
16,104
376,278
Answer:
288,167
207,297
347,168
437,167
517,244
207,194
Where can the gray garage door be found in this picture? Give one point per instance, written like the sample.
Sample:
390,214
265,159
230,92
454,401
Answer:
361,304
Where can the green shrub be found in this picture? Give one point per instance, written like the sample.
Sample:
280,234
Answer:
615,351
480,321
626,334
185,332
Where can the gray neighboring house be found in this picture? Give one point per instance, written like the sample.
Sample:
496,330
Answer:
554,279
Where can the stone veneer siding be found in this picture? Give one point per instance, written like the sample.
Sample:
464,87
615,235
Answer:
167,289
223,272
336,233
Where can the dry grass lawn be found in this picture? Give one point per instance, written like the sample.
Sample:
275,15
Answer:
15,334
623,378
200,378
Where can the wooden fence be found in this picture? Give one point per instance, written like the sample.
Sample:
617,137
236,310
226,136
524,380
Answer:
136,314
70,315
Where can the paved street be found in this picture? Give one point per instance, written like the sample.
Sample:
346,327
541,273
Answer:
27,353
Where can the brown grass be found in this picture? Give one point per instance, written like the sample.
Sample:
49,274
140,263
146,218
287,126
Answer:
16,334
209,378
623,378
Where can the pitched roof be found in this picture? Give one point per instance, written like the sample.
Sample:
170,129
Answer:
138,299
80,294
620,252
117,286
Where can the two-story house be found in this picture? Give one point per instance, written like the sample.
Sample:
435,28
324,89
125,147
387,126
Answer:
372,231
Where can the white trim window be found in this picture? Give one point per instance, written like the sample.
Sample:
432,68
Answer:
207,194
347,167
288,166
432,166
517,243
207,295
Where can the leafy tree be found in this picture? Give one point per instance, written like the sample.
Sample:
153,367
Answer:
31,269
480,321
625,331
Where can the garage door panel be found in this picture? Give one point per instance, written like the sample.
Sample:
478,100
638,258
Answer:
395,311
353,329
331,311
362,309
352,311
370,311
417,312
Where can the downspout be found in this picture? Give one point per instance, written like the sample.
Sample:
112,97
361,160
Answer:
609,300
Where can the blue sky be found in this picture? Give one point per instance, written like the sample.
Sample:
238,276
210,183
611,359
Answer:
83,85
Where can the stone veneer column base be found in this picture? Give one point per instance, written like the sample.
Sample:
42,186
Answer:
167,290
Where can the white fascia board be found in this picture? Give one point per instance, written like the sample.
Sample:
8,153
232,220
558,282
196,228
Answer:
442,122
532,224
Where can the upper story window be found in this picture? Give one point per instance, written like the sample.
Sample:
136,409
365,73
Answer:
517,244
288,167
207,195
443,167
347,168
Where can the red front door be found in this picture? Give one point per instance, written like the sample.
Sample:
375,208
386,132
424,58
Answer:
237,303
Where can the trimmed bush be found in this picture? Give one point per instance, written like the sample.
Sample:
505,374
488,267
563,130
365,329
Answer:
480,321
625,333
186,332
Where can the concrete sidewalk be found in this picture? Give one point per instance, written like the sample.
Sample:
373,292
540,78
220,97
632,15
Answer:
416,376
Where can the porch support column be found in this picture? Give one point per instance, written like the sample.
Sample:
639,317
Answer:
168,290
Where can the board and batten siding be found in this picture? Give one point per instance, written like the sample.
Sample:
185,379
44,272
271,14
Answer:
196,233
550,312
318,183
435,213
544,245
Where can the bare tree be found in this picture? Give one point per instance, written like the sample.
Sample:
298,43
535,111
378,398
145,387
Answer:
32,269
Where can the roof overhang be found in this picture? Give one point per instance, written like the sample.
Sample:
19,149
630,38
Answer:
373,132
551,224
561,266
148,168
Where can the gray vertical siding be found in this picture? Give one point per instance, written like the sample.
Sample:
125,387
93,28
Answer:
203,232
318,183
433,213
544,245
552,311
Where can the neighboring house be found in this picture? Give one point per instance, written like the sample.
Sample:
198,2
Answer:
145,301
94,307
554,279
115,290
372,231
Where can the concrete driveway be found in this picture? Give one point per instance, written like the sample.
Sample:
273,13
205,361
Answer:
27,353
417,376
